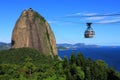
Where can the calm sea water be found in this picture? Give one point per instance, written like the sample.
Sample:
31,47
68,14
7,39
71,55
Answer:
111,55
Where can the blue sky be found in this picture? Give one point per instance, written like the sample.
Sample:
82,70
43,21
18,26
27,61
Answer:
58,12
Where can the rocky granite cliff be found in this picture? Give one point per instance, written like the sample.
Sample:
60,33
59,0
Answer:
32,30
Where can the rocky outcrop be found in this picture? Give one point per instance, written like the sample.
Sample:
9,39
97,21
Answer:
32,30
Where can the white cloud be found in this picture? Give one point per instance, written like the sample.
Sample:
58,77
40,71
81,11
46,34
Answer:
80,15
77,14
94,18
73,15
110,21
89,14
86,16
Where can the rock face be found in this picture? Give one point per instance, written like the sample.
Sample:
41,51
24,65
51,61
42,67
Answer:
32,30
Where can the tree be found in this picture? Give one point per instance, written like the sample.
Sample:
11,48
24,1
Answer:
76,72
80,74
87,73
29,67
72,59
65,63
68,75
80,61
98,70
113,75
8,71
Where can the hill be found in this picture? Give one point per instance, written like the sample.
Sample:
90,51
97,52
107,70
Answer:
25,64
33,31
18,56
30,64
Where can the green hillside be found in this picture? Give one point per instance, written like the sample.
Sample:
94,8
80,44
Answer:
29,64
18,56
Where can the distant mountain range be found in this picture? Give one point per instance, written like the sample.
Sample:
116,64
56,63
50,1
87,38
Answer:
5,46
74,46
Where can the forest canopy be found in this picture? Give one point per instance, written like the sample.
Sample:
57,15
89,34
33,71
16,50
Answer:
30,64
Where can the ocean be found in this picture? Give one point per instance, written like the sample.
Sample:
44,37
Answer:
111,55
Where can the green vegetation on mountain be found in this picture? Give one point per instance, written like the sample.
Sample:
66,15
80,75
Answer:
30,64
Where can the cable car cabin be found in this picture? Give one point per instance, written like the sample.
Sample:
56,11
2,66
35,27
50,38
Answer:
89,32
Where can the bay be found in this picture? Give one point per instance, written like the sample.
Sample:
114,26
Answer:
111,55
